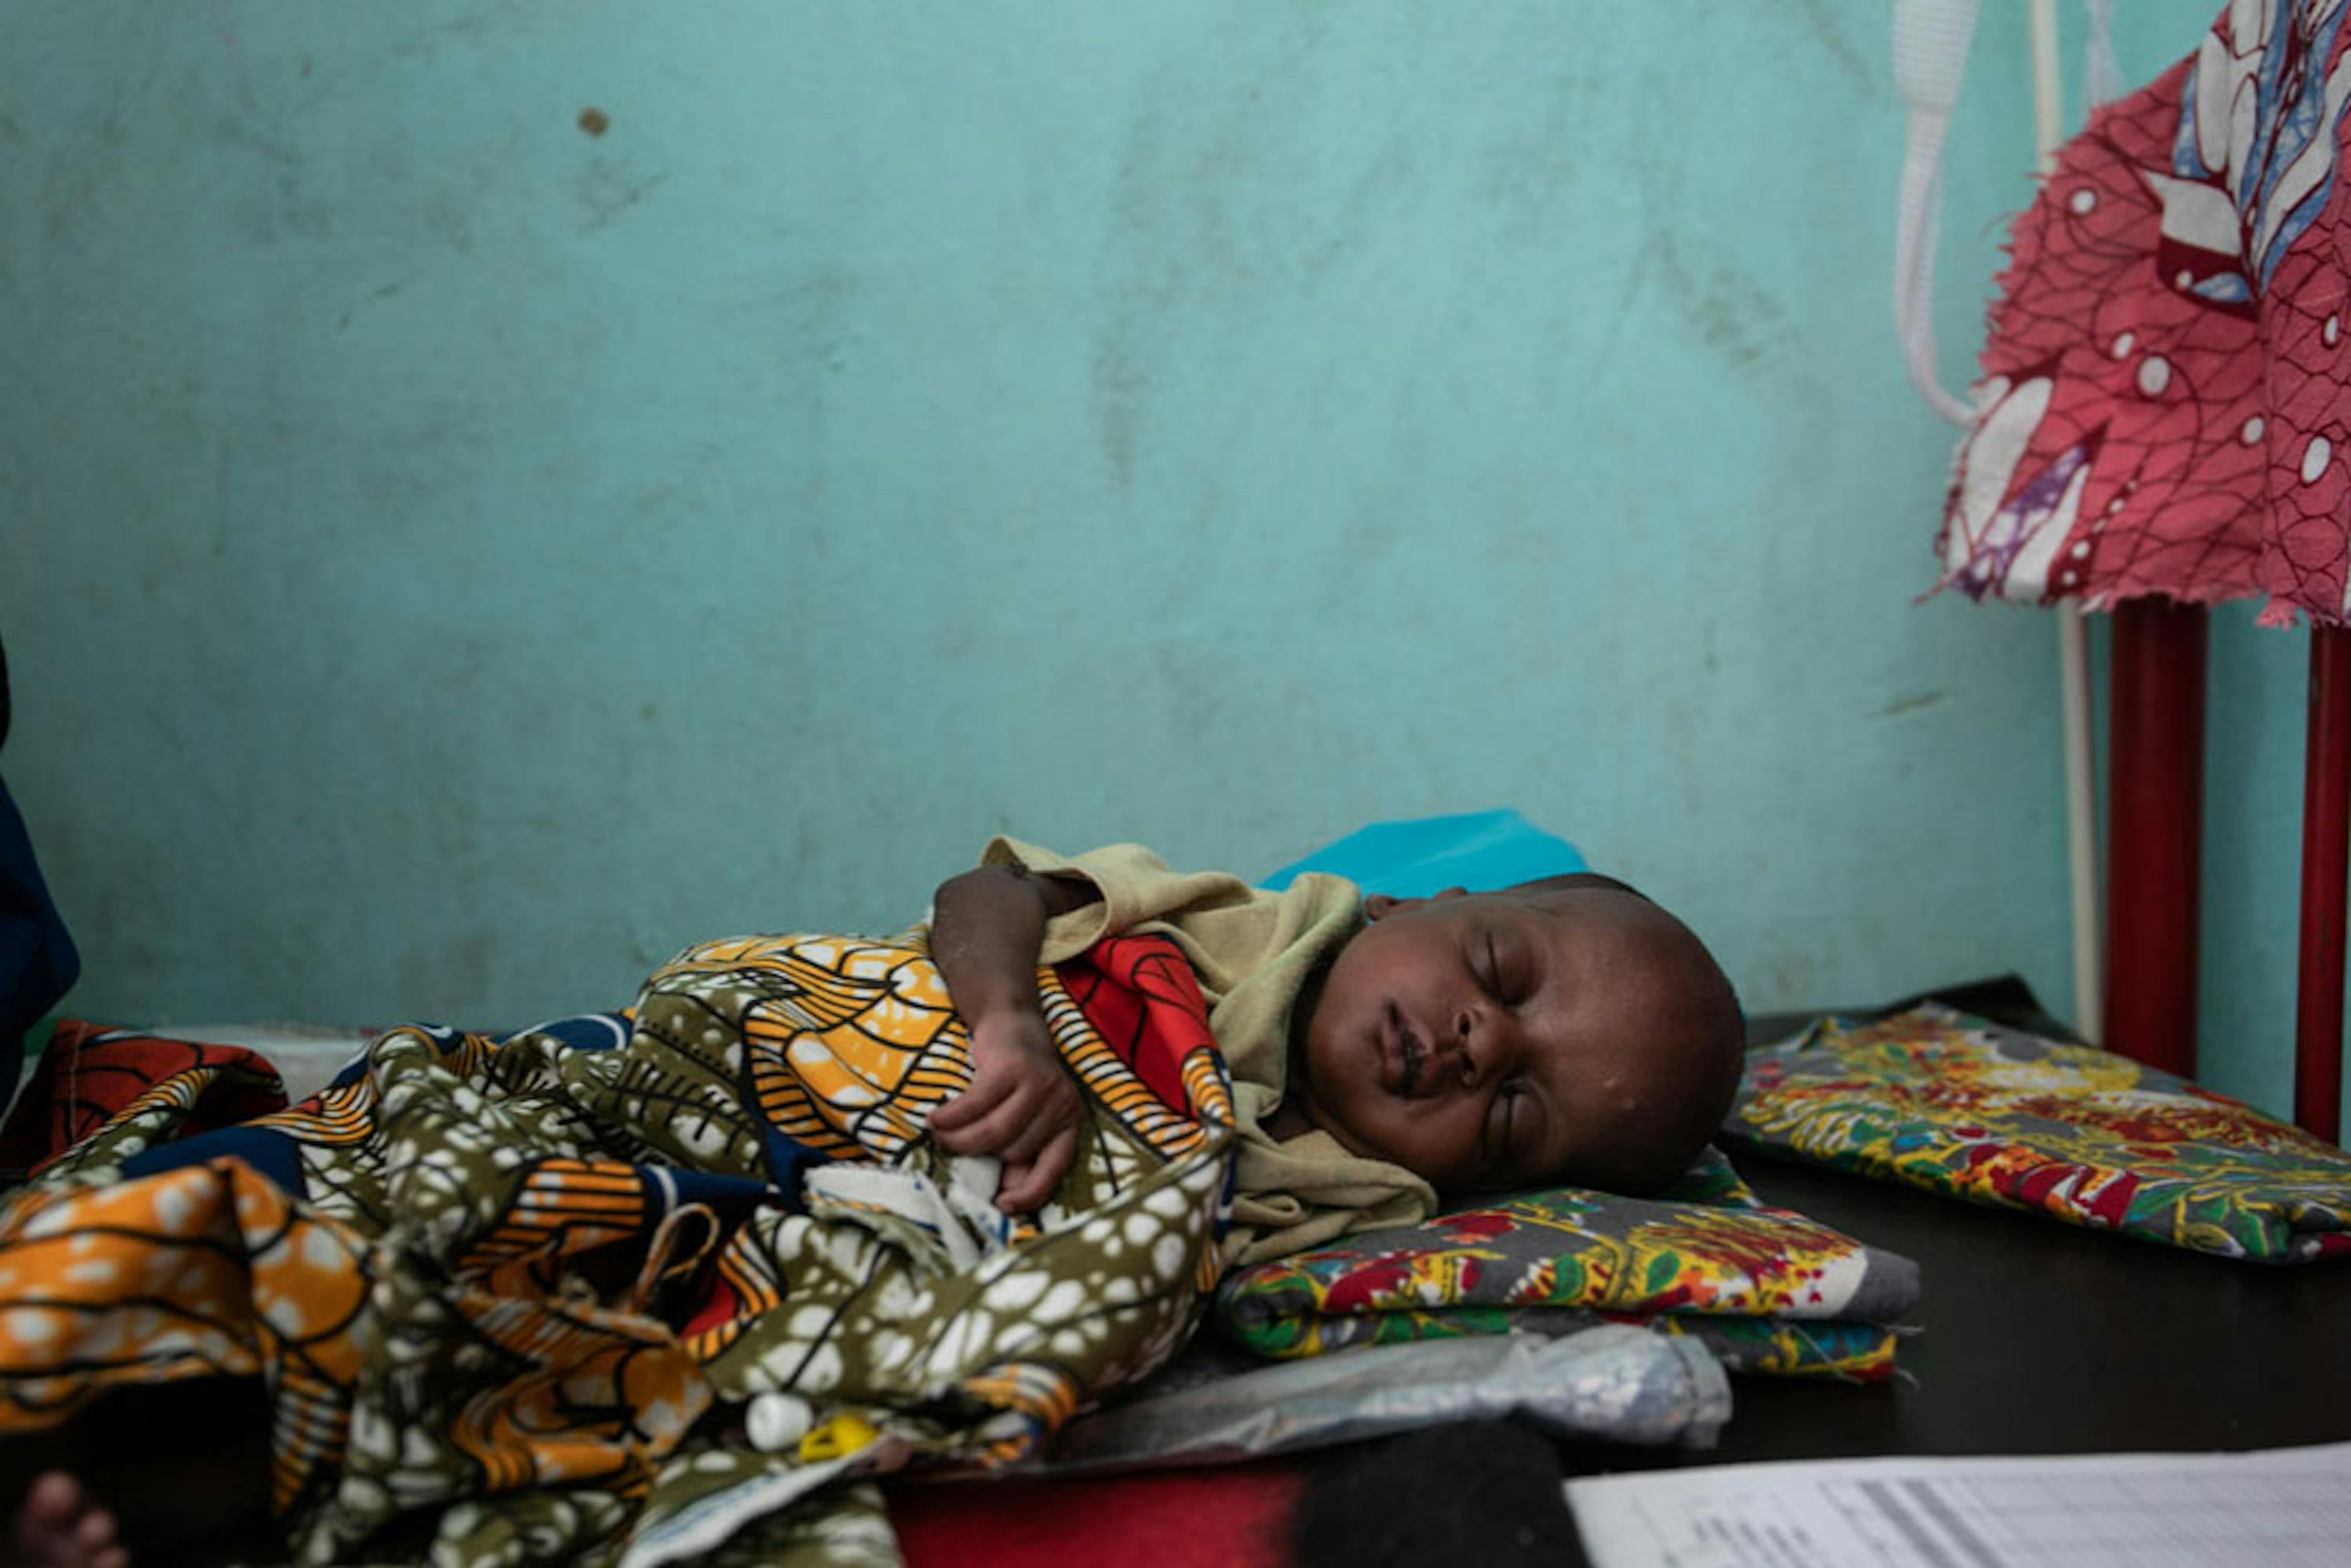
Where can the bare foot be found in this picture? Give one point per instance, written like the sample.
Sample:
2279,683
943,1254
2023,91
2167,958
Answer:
60,1525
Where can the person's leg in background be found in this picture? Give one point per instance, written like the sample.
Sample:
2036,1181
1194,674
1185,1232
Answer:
38,961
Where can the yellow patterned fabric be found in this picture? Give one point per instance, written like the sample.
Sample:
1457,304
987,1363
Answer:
640,1288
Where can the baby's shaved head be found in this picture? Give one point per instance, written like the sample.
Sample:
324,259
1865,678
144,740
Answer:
1692,1037
1567,1030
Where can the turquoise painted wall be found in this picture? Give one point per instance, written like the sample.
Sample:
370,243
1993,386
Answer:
451,559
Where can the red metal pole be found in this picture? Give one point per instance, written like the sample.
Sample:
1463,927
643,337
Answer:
2326,839
2154,816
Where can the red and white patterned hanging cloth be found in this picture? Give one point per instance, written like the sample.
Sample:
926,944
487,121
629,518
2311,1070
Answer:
2166,399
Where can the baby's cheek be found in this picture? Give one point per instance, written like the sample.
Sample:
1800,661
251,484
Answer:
1444,1145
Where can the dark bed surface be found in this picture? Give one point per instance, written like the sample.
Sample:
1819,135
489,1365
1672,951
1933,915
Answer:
2038,1337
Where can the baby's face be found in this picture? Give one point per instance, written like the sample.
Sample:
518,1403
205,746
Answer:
1498,1040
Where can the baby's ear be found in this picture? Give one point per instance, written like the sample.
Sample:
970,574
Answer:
1379,905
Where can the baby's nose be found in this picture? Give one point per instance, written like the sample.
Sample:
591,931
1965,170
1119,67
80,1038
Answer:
1469,1047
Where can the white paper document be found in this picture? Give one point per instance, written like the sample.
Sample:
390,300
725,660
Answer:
2276,1508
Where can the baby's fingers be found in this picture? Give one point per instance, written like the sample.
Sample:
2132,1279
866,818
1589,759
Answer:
988,1091
1027,1187
1054,1108
994,1131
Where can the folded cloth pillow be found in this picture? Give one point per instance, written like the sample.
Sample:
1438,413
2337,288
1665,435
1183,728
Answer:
1940,1100
1765,1289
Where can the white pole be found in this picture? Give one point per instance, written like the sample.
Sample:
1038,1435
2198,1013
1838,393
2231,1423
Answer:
2072,636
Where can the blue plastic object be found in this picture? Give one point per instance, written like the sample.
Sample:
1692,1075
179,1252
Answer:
1481,851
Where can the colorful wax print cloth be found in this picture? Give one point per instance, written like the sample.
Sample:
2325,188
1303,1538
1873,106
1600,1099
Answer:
88,1073
2163,404
635,1288
1766,1291
1939,1100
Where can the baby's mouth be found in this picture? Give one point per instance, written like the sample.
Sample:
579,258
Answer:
1409,1055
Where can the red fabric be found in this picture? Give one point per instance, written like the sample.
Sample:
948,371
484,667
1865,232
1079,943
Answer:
2164,401
90,1072
1229,1518
1145,1003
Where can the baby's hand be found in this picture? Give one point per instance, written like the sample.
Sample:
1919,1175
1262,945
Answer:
1023,1107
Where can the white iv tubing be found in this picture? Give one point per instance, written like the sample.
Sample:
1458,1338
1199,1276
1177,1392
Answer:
1930,56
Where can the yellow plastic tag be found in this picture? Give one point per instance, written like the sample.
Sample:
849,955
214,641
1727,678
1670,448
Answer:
841,1436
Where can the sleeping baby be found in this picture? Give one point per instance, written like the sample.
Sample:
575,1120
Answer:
543,1188
1383,1050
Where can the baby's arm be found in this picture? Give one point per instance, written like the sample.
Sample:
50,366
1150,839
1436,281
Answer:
987,927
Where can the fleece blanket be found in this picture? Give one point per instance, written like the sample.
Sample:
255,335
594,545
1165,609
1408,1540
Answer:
1766,1291
1933,1098
640,1286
